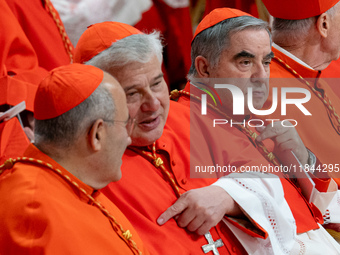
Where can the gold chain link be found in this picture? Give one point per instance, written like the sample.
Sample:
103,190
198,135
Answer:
244,129
67,43
126,234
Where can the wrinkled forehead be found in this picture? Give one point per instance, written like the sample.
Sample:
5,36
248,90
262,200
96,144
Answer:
238,35
251,42
138,74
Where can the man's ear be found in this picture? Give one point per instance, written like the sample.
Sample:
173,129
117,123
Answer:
323,24
96,135
202,67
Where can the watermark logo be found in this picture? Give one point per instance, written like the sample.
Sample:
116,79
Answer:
207,89
239,100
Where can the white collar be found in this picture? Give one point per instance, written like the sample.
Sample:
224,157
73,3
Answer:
291,56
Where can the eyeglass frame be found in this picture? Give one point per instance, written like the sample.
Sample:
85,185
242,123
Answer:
129,122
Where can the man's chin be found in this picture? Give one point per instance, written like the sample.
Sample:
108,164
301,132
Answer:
257,106
147,139
118,176
323,65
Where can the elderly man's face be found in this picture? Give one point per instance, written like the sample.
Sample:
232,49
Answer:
117,139
147,98
246,61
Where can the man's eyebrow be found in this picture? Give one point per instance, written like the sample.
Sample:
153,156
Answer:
243,54
130,87
158,77
161,75
269,55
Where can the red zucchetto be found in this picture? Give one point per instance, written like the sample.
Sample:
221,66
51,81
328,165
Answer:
298,9
216,16
99,37
64,88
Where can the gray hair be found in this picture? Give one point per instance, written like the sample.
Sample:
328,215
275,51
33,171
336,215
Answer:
134,48
211,42
286,31
63,130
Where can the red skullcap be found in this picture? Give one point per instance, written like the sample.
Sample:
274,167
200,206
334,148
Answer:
99,37
216,16
64,88
298,9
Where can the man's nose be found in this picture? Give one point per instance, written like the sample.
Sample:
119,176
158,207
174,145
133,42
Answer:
150,102
260,74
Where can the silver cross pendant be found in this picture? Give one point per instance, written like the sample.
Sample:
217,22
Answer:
212,245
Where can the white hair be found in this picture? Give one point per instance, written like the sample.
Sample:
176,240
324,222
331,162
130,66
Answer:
134,48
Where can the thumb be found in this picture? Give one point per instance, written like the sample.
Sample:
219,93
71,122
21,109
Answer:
178,207
260,129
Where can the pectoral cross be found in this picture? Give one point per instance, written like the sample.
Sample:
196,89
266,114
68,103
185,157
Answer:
212,245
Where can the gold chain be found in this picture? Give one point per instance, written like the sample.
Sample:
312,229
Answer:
126,233
67,43
158,163
244,129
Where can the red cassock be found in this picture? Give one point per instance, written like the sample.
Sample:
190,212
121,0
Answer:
144,193
13,140
332,73
42,32
20,76
226,145
43,213
320,132
174,23
19,69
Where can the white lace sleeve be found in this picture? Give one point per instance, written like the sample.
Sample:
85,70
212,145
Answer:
324,200
332,214
261,197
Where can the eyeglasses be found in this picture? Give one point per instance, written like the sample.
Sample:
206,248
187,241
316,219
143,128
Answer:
129,124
